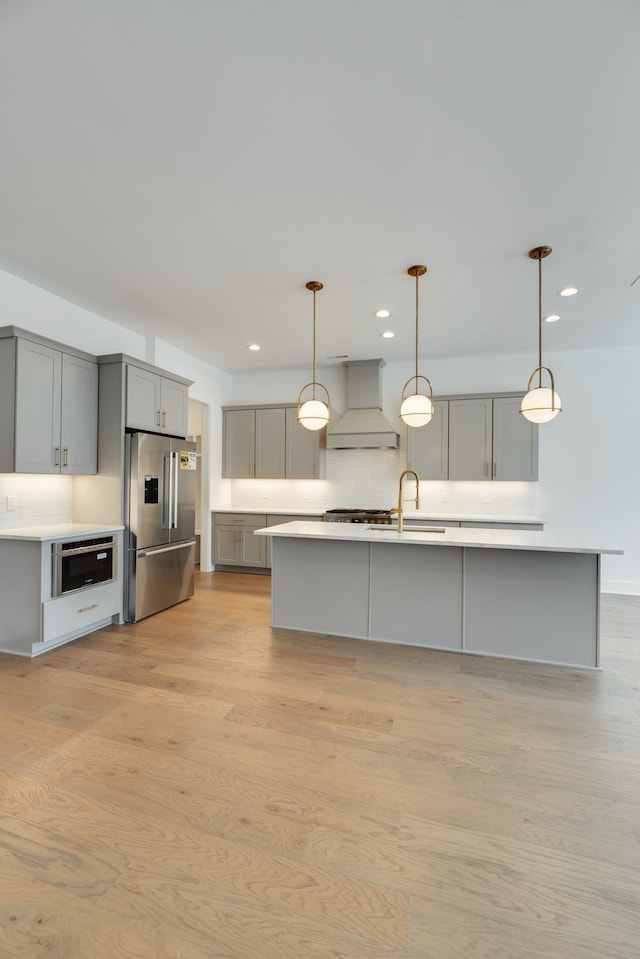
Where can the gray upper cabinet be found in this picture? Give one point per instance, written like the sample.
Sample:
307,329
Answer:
515,441
470,433
428,446
268,443
238,440
475,438
156,403
48,407
303,452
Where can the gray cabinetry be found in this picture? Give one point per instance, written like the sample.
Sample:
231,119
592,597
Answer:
156,403
34,620
428,447
475,438
515,441
234,543
48,407
470,439
303,450
268,443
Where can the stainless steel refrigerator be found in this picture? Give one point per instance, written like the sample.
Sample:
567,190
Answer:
160,523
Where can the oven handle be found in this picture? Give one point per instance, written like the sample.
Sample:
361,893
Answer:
86,549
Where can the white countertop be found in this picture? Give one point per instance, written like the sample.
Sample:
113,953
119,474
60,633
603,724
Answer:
57,531
452,536
409,514
279,510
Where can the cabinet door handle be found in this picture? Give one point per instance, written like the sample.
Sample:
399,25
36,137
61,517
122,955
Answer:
65,461
164,418
157,417
85,609
495,470
486,469
57,459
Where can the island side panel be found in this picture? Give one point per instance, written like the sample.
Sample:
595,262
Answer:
416,595
532,605
20,596
321,586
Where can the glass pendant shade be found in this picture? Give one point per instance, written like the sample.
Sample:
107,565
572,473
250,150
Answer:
540,405
416,410
313,415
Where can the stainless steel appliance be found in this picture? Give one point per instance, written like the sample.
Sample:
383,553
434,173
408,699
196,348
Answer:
371,516
81,563
160,534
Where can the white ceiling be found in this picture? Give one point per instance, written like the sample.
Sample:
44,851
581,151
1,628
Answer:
183,167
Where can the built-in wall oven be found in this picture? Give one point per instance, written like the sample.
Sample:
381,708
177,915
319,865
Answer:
81,563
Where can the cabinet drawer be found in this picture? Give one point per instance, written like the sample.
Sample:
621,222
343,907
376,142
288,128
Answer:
240,519
490,525
81,610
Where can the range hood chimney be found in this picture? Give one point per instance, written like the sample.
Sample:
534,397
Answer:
363,426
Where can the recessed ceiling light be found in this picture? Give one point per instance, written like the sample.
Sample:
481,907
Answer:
382,314
254,346
387,335
552,318
568,291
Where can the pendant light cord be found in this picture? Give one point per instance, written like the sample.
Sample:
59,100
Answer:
314,345
416,332
540,320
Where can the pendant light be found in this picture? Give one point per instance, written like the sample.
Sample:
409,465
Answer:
541,403
313,413
417,408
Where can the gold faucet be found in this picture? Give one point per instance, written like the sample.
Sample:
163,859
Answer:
398,509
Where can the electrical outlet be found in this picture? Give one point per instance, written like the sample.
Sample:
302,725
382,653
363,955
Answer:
12,504
486,498
265,492
305,493
444,498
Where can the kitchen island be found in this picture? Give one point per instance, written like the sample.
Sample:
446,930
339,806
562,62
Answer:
509,593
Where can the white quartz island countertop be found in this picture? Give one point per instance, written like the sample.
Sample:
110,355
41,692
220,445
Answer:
56,531
531,541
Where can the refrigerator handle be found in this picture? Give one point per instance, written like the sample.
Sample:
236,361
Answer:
167,490
176,464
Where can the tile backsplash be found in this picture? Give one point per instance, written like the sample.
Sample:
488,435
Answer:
368,479
39,500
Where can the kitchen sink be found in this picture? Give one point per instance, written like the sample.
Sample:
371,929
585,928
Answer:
380,528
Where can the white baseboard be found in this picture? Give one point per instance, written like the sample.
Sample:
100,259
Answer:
624,587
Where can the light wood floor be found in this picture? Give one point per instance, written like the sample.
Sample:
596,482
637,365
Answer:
204,787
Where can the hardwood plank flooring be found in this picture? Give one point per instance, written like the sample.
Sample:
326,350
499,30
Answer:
201,786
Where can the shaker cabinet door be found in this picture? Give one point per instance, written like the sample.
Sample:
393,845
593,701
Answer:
38,386
470,436
79,429
428,446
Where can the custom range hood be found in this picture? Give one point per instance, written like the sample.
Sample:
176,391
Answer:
363,426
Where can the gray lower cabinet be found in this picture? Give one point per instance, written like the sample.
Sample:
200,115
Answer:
34,620
475,438
156,403
234,542
48,407
268,443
